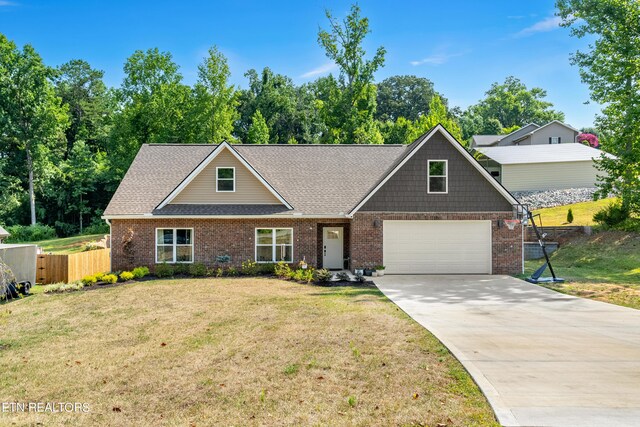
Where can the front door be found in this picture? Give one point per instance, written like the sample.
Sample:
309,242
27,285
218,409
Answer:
332,247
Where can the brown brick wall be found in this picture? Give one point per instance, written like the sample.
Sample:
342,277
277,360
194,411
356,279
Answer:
366,238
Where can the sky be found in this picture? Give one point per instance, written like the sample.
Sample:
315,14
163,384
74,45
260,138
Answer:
463,46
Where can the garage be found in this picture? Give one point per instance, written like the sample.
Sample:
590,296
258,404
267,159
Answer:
437,247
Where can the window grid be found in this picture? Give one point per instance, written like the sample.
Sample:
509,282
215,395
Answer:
278,250
174,245
443,176
225,179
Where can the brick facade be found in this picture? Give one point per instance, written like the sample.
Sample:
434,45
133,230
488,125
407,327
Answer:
236,238
367,228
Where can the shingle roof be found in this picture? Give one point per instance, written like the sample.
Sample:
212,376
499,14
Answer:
485,140
545,153
314,179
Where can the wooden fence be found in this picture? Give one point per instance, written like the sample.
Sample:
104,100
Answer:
51,268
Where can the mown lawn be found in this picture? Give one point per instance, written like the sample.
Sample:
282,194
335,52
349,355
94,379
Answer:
582,213
238,351
604,266
67,245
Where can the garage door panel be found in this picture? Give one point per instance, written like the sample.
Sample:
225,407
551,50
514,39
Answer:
437,247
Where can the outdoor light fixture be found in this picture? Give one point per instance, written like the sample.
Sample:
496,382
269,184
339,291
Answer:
377,223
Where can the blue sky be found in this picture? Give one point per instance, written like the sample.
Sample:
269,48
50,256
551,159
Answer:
462,46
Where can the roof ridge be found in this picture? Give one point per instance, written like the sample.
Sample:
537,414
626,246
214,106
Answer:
177,144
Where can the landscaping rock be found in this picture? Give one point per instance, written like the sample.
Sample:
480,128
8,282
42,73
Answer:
550,198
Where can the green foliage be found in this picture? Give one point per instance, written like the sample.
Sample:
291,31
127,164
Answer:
58,288
323,275
342,276
126,276
249,268
612,215
98,227
266,268
89,280
258,131
611,68
140,272
404,96
30,233
352,401
438,114
91,246
569,216
282,270
164,270
198,269
110,278
219,272
232,271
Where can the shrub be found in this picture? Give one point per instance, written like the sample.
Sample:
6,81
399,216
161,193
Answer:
570,216
140,272
267,268
249,268
62,287
99,276
282,270
612,215
360,278
219,272
110,278
308,275
97,226
164,270
343,276
91,246
232,271
126,276
198,269
30,233
323,275
378,267
181,269
89,280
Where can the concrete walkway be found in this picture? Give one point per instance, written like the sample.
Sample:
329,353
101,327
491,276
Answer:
540,357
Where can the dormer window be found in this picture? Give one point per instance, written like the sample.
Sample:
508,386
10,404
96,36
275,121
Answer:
437,180
225,180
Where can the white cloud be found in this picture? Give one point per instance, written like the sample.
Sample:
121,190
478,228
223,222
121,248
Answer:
436,59
7,3
323,69
548,24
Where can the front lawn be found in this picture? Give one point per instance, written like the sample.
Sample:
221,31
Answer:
604,266
243,351
582,213
67,245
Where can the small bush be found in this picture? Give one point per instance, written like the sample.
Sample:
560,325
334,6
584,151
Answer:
267,268
97,227
360,278
140,272
30,233
343,276
164,270
612,215
89,280
62,287
110,278
99,276
198,269
570,216
323,275
232,271
125,276
249,268
219,272
91,246
282,270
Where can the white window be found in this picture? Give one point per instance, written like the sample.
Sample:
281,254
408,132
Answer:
554,140
274,244
174,245
225,180
437,181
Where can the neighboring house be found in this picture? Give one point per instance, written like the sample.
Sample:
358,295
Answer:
542,167
428,207
4,234
554,132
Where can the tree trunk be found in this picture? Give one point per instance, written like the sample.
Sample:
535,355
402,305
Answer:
81,214
32,197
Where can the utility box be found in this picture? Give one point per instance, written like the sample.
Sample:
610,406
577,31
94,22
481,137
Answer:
21,259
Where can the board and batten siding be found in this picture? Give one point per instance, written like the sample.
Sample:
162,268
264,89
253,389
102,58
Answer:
549,176
248,189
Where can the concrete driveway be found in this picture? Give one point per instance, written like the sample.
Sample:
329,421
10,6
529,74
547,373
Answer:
540,357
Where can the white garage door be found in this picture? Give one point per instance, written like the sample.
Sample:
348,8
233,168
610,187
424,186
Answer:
437,247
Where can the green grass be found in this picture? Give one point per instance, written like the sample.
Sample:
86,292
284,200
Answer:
67,245
230,351
582,213
604,266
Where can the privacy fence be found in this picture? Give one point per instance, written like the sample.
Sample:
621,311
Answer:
51,268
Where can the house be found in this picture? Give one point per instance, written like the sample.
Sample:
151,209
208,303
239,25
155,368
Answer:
542,167
554,132
4,234
428,207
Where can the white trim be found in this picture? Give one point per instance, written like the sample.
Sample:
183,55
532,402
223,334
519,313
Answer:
519,129
226,179
462,151
175,244
282,216
445,176
273,244
205,163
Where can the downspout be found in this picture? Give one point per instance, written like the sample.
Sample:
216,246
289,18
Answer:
110,246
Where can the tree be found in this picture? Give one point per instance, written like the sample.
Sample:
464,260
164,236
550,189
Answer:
404,96
258,131
437,115
512,104
351,115
90,103
611,69
32,117
214,111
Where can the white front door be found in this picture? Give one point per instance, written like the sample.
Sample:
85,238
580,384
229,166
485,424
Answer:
332,247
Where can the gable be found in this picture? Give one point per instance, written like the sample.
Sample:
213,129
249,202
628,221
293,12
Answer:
517,134
554,129
469,189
